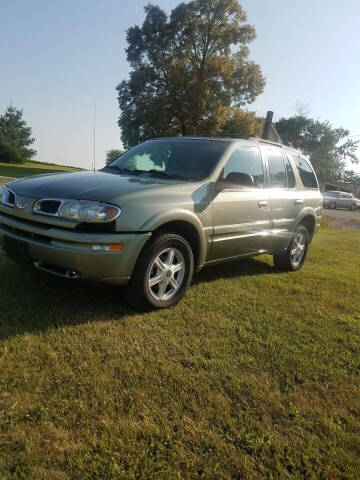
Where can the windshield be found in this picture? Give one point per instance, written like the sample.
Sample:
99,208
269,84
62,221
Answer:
178,159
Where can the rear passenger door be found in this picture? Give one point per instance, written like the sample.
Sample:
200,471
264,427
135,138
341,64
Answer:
285,201
344,200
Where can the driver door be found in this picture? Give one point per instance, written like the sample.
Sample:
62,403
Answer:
241,214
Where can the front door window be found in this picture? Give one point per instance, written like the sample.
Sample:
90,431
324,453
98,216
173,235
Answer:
246,160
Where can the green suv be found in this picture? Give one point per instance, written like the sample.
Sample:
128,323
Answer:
164,209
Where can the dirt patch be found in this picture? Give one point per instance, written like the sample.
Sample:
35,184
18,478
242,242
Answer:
343,219
344,224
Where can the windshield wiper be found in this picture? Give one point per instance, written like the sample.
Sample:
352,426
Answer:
157,173
161,174
122,169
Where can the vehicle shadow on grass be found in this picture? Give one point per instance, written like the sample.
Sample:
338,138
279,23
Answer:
31,301
234,269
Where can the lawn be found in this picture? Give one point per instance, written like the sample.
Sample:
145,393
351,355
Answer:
255,375
19,170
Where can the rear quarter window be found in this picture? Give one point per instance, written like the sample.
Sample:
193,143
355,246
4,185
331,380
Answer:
306,172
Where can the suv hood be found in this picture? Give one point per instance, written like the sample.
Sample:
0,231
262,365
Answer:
99,186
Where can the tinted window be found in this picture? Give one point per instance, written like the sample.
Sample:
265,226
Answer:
306,173
290,174
246,160
276,168
193,159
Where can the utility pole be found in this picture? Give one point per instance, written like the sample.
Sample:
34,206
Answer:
94,134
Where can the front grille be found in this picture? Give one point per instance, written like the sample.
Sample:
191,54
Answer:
49,206
11,197
25,234
98,227
43,226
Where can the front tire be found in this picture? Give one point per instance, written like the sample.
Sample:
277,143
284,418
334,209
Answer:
352,208
294,256
162,272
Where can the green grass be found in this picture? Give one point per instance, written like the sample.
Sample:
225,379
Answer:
27,169
255,375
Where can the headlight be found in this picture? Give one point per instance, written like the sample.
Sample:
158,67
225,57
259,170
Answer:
88,211
77,210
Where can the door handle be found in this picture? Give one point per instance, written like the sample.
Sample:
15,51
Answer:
299,201
263,203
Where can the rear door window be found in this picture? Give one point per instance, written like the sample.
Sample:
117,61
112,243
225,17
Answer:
289,173
306,172
277,173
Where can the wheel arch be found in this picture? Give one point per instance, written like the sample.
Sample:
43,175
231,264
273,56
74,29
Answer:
308,221
183,223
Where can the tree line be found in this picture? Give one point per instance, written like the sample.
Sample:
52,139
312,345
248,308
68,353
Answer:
191,74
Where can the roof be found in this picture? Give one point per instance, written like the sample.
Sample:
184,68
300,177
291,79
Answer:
231,140
220,139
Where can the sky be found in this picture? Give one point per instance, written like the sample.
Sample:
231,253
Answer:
59,57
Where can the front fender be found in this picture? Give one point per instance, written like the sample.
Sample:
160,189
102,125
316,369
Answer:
161,218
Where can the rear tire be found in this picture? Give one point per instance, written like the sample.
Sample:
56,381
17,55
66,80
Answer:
332,206
294,256
162,272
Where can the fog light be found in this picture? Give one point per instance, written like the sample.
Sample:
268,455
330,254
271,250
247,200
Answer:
115,247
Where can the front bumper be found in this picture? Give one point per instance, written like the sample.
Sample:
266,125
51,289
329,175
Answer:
69,253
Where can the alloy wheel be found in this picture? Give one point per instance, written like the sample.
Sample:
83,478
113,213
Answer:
298,248
166,274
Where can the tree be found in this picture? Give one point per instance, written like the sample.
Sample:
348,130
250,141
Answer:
350,176
242,123
15,137
189,71
112,155
328,148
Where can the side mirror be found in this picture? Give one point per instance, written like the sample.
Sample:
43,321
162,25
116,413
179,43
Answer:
237,179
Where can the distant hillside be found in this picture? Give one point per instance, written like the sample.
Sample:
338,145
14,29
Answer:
26,169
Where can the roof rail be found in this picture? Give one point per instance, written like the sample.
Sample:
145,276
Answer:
231,137
261,140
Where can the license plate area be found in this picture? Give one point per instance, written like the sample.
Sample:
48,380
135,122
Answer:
17,250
